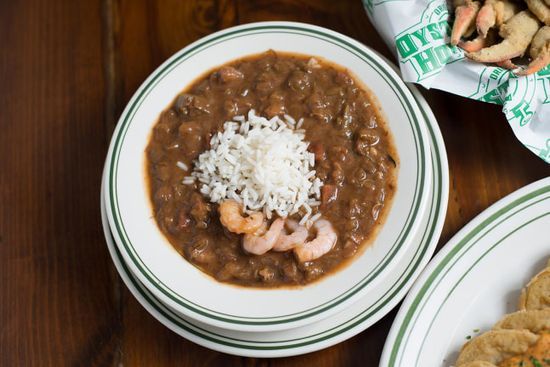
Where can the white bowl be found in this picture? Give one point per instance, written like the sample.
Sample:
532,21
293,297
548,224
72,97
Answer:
189,291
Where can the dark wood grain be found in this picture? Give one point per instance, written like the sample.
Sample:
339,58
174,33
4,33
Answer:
67,70
57,304
486,160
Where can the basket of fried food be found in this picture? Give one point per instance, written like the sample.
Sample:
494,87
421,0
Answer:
513,34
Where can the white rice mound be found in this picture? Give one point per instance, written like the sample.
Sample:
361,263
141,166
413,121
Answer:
263,164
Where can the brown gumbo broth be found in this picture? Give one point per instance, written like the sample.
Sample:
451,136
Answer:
354,158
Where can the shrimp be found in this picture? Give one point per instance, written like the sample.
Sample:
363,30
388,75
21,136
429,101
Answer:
286,241
517,34
323,243
495,12
478,43
507,64
260,242
231,216
540,9
539,52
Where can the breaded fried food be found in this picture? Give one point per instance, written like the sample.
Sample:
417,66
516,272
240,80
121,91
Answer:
516,35
478,364
496,346
539,52
535,321
536,294
506,29
465,20
540,9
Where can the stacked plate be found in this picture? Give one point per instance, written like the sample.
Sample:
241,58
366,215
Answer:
474,280
280,321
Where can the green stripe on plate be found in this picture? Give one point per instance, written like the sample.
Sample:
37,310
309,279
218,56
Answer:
161,72
436,212
457,252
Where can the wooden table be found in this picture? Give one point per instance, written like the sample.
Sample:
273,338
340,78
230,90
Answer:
67,69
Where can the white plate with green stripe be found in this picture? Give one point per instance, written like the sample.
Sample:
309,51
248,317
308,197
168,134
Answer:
351,321
186,289
473,281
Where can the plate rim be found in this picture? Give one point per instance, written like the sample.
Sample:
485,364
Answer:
402,288
395,342
284,321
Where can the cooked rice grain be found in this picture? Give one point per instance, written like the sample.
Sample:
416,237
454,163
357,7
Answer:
262,163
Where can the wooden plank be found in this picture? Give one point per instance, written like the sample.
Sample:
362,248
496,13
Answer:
144,34
57,304
486,160
69,70
347,17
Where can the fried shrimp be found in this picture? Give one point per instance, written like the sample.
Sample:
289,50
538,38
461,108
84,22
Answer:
262,241
517,34
539,52
479,42
231,216
507,64
540,9
323,242
495,12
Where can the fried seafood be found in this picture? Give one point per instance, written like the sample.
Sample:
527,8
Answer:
507,64
536,321
536,294
517,34
495,346
465,16
540,9
519,339
506,30
479,42
495,12
539,52
478,364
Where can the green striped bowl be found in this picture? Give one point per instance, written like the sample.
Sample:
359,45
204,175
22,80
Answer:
184,288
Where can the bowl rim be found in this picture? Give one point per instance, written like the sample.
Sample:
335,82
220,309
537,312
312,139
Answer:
285,321
297,345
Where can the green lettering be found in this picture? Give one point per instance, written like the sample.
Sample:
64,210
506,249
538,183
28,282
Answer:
446,27
440,9
495,95
427,61
503,88
545,71
435,31
522,112
421,35
442,53
492,97
405,46
496,73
